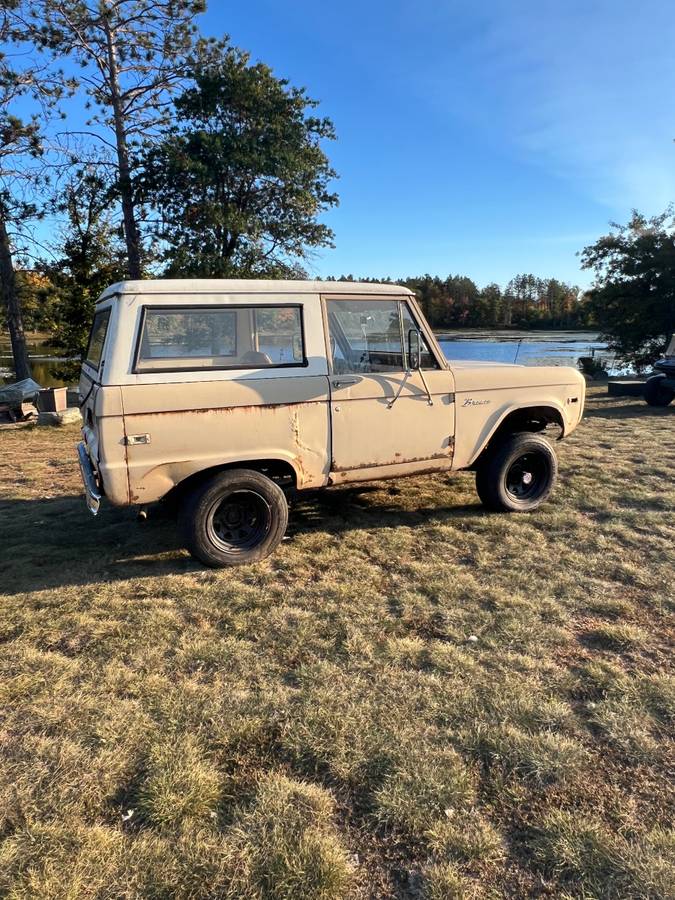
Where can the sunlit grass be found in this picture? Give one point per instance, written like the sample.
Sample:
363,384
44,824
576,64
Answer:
412,698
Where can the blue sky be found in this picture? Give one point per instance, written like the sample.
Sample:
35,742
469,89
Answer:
477,138
482,139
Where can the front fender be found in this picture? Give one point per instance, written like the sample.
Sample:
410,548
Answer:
475,429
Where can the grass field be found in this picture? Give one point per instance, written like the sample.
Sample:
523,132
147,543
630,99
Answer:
412,698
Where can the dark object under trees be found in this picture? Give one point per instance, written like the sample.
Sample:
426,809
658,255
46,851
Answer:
633,297
660,388
240,177
131,53
657,390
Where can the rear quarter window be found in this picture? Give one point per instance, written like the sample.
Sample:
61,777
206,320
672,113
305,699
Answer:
99,329
220,337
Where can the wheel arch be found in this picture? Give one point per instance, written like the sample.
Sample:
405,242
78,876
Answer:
534,418
277,469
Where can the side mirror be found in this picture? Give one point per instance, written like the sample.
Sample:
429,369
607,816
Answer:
414,349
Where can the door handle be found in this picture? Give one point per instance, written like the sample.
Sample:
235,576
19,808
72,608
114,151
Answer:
342,382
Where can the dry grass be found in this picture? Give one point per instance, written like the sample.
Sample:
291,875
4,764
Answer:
319,726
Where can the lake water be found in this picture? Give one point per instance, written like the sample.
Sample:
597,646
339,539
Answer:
42,358
552,348
527,348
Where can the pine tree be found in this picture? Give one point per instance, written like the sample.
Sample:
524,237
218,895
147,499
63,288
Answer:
130,55
240,176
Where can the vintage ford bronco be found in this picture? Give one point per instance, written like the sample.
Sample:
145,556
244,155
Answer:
227,395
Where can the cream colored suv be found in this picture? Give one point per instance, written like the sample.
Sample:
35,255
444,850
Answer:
229,394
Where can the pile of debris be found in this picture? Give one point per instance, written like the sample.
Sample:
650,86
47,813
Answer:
26,401
18,402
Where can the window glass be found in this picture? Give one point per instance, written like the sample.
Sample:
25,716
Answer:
365,336
236,337
97,338
279,334
428,360
193,334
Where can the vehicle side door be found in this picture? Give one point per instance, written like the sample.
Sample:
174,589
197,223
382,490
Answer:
383,414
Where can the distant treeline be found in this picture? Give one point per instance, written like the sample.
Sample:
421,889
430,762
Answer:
453,302
526,302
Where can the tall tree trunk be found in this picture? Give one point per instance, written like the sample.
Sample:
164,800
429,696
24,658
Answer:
10,299
131,234
508,310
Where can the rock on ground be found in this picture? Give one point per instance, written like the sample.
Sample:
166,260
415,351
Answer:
68,417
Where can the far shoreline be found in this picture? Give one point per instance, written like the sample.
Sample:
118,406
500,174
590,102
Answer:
517,334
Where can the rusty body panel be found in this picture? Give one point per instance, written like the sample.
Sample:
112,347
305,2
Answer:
386,419
104,435
193,427
149,424
390,470
206,394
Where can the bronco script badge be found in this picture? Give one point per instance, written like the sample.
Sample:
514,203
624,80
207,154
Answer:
471,402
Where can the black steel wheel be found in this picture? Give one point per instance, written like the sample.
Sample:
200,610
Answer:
517,474
236,517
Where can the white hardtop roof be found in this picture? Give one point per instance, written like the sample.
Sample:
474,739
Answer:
248,286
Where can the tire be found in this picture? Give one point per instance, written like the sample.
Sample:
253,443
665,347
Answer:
517,474
235,518
656,393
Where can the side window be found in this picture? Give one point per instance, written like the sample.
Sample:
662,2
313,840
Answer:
279,334
193,334
428,359
220,337
97,338
365,336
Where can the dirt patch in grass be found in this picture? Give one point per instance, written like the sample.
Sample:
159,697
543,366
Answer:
321,725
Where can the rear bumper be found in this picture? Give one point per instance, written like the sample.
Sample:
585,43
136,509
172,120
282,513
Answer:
91,486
